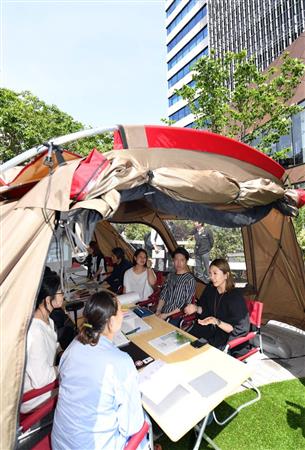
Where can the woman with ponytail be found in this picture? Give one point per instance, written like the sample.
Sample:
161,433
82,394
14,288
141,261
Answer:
99,404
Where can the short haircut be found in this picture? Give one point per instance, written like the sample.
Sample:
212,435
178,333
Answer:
181,251
118,252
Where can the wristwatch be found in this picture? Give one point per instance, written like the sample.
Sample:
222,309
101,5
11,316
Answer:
218,322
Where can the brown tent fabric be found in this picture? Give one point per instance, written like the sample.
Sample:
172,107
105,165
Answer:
273,258
276,268
23,252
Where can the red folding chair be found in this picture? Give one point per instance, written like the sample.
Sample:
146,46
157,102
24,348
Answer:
153,299
138,437
255,309
30,423
186,320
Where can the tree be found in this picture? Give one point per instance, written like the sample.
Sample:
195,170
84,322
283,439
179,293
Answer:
26,121
299,225
232,97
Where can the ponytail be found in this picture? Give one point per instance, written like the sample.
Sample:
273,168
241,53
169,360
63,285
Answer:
97,312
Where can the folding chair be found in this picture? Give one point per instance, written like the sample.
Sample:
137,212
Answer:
153,299
255,309
186,320
32,422
138,437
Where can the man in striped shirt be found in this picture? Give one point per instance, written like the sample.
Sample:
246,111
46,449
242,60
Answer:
179,288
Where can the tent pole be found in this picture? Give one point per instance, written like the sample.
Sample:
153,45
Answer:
32,152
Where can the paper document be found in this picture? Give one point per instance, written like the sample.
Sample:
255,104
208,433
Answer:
208,383
131,297
170,342
120,339
133,324
158,380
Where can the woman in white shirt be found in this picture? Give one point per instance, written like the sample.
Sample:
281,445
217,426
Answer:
140,278
42,341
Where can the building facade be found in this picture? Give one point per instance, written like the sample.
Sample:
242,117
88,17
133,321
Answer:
265,28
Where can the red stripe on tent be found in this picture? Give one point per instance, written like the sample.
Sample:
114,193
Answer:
301,197
117,141
204,141
87,173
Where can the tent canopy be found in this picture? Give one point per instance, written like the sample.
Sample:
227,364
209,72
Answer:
154,173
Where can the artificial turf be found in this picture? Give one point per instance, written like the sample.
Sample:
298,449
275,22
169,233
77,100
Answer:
276,422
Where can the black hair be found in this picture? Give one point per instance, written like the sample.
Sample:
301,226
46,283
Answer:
49,286
118,252
97,312
136,253
181,251
95,248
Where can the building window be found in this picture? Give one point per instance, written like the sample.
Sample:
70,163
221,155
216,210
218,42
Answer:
175,97
186,69
172,7
188,47
183,112
188,7
185,30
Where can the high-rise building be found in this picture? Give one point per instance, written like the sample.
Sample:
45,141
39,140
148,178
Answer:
187,41
265,28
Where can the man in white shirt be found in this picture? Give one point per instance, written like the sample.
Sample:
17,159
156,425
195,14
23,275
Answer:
158,254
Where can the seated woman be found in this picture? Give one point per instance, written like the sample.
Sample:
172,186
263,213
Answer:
99,403
222,311
179,287
42,341
114,280
140,278
95,261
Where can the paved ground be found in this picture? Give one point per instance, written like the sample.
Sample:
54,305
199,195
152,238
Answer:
283,341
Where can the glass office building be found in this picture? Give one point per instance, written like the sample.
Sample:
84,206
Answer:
187,41
265,28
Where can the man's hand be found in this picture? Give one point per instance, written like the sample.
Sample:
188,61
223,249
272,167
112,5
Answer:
190,309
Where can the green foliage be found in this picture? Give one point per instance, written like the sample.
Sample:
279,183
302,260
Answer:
226,240
133,231
26,121
299,225
231,97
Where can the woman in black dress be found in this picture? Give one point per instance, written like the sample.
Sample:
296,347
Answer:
221,309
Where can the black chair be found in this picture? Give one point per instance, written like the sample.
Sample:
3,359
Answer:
74,307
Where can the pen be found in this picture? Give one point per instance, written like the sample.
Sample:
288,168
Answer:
132,331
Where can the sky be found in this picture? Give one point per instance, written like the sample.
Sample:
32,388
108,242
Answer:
102,62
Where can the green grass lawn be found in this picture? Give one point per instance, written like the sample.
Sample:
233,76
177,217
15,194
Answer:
276,422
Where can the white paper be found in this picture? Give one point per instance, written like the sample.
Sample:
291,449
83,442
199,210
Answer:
133,323
120,339
131,297
157,380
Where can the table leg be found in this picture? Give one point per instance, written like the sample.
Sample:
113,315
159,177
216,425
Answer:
202,434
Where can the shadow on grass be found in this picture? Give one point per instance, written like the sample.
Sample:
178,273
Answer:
296,416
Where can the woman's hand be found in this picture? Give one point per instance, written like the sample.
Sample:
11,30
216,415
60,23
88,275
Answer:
149,264
208,321
190,309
